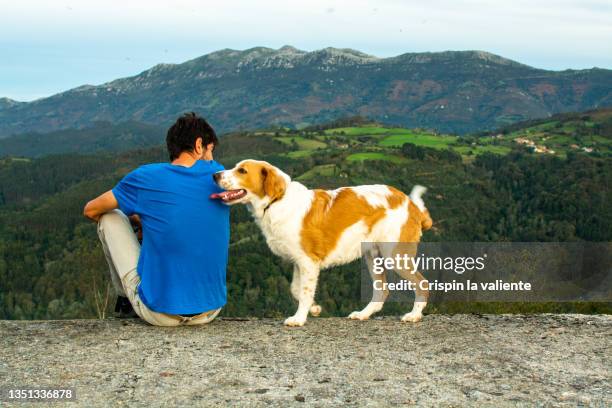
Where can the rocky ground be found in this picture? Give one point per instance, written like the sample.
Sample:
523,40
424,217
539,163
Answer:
461,360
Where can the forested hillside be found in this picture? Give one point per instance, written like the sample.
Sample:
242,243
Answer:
51,265
100,137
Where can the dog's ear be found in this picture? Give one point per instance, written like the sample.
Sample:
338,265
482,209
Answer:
274,185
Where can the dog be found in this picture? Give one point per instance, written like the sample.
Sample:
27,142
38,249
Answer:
318,229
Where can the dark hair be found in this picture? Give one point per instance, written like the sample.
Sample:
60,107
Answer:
183,134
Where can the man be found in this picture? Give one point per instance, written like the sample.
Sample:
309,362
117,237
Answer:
178,276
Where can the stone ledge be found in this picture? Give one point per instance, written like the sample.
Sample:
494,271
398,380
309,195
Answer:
458,360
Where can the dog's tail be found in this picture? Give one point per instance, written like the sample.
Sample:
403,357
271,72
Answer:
416,196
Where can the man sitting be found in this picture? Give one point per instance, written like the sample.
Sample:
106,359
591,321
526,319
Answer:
178,275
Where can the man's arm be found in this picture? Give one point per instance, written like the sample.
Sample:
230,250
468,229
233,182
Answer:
100,205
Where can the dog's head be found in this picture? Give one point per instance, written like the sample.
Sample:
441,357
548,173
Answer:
251,181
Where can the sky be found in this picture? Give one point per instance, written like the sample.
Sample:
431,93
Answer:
48,47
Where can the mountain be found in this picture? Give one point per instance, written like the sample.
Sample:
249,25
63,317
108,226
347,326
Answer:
8,103
453,91
100,137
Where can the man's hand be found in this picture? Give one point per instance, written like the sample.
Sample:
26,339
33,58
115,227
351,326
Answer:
136,225
100,205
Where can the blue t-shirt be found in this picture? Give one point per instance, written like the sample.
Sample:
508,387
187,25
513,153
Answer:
185,235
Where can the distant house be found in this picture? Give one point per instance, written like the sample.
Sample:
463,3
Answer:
524,141
534,148
543,149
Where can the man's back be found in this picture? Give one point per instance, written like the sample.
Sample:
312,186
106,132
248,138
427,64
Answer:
185,235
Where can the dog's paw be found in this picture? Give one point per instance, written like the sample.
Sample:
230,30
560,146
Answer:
315,310
294,322
412,317
358,316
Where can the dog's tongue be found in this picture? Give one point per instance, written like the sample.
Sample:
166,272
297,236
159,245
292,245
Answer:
217,196
228,195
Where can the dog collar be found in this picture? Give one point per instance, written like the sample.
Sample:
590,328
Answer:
269,204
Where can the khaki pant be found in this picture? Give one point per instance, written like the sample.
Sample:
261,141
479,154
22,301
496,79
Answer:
122,250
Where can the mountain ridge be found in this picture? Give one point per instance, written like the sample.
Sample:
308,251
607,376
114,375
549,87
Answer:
99,137
451,91
8,103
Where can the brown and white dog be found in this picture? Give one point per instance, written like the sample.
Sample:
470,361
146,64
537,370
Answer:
317,229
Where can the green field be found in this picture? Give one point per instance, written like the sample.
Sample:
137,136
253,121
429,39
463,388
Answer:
480,149
383,144
358,131
419,139
377,142
296,154
323,170
375,156
306,146
302,142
